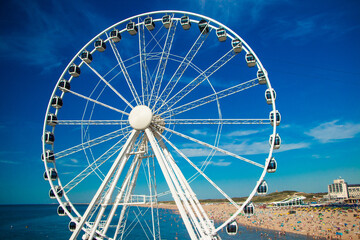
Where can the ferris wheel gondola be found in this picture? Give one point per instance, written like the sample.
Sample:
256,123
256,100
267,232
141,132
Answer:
115,35
272,166
232,228
166,20
52,174
221,34
86,56
149,23
100,45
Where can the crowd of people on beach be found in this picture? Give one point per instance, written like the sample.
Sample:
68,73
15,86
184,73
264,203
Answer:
315,222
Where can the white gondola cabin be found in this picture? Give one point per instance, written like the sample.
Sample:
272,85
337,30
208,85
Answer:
268,95
61,211
58,191
166,20
250,60
56,102
49,138
261,77
249,209
51,119
185,22
221,34
232,228
237,45
49,156
74,70
64,85
203,26
132,28
263,188
100,45
149,23
277,118
277,141
115,35
52,173
86,56
272,166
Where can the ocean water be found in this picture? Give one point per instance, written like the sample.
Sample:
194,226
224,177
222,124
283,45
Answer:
20,222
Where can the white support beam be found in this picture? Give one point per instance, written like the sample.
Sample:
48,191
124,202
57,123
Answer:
218,121
212,97
205,228
161,159
103,185
199,79
182,67
215,148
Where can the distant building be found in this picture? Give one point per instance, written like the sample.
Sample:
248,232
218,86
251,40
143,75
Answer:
354,190
292,201
340,190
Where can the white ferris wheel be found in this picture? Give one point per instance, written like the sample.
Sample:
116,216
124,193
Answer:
147,110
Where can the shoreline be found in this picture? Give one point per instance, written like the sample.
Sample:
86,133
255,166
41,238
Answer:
314,222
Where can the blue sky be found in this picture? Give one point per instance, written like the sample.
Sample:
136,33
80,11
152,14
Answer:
310,50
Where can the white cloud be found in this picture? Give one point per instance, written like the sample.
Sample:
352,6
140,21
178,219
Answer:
195,152
41,40
292,146
317,156
199,132
219,163
241,133
242,149
249,9
332,131
74,160
9,162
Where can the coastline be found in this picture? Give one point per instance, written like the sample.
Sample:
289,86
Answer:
314,222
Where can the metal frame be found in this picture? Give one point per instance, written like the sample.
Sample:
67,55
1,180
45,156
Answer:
165,98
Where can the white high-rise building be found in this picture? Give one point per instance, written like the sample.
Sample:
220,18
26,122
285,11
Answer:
338,190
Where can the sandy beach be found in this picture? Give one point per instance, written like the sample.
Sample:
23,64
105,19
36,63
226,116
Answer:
330,223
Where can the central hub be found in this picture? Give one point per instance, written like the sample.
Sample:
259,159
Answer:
140,117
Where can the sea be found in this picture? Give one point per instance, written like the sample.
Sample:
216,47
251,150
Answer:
21,222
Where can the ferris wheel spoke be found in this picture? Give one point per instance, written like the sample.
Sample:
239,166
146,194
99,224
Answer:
200,172
212,97
163,61
215,148
122,220
117,167
95,165
145,81
97,102
91,122
218,121
125,72
91,143
109,85
199,79
109,193
125,190
153,37
172,183
197,213
182,67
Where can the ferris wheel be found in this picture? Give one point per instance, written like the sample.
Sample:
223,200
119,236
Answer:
155,107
